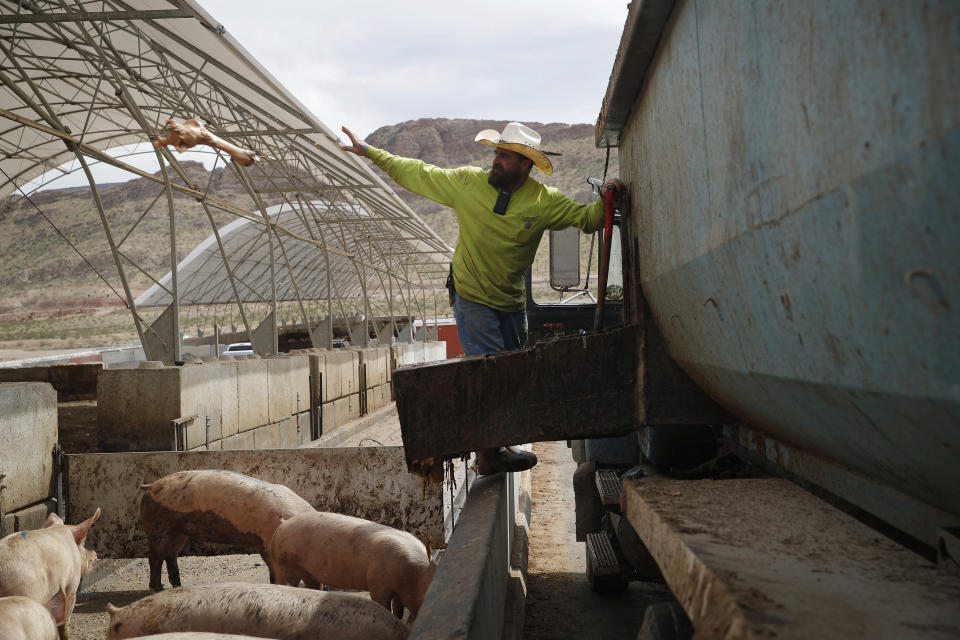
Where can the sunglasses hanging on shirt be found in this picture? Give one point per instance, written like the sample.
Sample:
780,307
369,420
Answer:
503,199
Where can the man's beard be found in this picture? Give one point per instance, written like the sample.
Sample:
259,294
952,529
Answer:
499,178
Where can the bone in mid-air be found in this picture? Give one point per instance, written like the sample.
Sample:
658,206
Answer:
193,132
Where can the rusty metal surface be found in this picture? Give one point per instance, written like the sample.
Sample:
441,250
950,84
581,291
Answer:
563,388
762,558
793,168
367,482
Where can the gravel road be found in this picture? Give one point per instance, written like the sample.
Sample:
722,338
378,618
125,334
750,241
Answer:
560,602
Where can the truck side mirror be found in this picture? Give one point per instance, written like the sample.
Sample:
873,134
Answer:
615,271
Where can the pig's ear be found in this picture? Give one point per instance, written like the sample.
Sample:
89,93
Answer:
52,520
58,606
80,530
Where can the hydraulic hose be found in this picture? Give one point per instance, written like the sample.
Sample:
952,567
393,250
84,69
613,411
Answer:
608,195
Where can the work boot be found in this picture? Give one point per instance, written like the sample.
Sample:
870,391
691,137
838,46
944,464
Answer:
504,459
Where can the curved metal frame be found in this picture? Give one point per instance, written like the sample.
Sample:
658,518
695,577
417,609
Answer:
94,86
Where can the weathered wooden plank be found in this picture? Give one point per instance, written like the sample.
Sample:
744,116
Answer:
763,558
573,387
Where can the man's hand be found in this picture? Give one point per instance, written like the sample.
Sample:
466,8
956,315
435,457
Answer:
618,187
358,147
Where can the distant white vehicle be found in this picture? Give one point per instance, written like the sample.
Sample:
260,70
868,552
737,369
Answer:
238,349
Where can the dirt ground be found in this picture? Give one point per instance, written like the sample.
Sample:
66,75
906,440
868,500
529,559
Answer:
25,353
560,601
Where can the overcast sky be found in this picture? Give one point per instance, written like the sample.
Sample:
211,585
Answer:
372,63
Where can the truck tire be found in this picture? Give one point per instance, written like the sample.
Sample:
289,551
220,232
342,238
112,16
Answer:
588,509
634,551
665,621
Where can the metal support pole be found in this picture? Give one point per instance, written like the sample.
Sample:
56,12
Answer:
393,319
229,270
113,249
293,281
245,179
173,258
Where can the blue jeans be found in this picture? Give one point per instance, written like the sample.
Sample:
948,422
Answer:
483,330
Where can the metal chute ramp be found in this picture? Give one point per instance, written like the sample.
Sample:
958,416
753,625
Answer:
314,233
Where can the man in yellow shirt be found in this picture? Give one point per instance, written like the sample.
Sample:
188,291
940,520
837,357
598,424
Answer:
502,214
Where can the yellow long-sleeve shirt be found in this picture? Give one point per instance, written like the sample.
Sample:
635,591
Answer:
493,251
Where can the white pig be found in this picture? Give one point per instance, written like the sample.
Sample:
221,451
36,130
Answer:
217,506
263,610
344,552
23,618
47,564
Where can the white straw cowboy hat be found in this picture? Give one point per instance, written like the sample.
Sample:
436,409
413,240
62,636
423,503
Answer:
518,138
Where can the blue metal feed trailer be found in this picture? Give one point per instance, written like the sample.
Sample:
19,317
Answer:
791,300
794,172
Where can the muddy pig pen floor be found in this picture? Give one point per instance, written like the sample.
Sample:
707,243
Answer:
129,580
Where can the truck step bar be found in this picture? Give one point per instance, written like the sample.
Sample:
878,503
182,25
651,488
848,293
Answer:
601,556
604,570
609,488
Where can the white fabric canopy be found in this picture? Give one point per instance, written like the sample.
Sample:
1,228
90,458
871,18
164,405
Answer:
90,81
204,279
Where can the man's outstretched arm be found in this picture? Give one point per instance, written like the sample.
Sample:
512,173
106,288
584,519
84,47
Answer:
439,185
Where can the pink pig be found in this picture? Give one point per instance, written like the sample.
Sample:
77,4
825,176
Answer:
217,506
23,618
46,565
263,610
344,552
